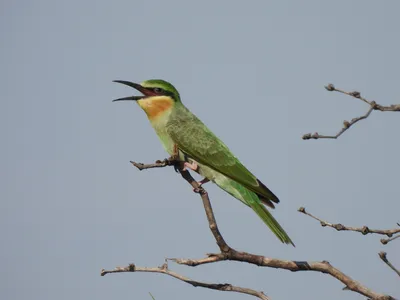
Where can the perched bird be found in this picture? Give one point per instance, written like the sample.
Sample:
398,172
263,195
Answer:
183,134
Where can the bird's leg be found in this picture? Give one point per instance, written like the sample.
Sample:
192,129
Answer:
203,181
175,153
175,158
192,166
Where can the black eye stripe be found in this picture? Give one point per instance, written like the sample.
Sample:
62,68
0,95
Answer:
161,91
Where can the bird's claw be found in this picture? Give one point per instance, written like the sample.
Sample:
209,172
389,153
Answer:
173,160
197,190
177,168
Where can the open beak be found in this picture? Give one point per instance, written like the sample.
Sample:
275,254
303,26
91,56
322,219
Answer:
136,86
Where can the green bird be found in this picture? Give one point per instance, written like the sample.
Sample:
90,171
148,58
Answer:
183,134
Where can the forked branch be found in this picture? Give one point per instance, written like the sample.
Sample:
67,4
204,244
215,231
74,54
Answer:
346,124
228,253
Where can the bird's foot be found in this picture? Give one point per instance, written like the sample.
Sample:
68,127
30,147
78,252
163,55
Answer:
203,181
200,183
175,159
192,166
177,168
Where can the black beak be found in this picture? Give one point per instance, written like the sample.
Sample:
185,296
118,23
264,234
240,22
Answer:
135,86
134,98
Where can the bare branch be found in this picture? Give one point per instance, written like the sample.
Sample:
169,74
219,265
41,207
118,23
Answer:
164,270
294,266
382,255
197,188
209,211
228,253
346,124
339,227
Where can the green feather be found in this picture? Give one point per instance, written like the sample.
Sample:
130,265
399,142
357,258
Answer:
270,221
217,163
251,199
198,142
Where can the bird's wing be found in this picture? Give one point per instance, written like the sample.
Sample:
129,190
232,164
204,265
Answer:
198,142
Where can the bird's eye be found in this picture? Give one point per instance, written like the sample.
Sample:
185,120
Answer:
158,90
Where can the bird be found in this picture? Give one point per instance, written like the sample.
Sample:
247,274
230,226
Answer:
186,136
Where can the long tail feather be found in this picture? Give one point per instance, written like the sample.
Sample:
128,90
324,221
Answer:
270,221
251,199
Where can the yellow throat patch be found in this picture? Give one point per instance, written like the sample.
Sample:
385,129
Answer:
156,106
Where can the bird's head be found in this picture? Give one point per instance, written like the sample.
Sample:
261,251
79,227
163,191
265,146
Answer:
158,96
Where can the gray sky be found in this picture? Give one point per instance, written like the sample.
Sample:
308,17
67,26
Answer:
254,72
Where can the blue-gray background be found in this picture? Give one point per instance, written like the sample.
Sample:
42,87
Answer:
254,72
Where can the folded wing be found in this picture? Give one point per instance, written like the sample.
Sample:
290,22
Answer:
198,142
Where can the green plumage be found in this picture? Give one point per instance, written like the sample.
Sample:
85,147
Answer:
217,163
178,126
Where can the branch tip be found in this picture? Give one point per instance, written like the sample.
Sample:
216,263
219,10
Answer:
330,87
383,256
302,210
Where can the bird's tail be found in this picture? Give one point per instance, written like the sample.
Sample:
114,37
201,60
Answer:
270,221
251,199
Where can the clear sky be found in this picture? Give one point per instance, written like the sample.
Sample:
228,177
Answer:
253,71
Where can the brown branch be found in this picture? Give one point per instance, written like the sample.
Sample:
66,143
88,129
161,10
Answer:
209,211
339,227
228,253
382,255
346,124
164,270
198,189
294,266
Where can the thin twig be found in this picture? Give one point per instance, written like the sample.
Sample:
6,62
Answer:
339,227
196,188
209,211
158,164
385,241
346,124
164,270
382,255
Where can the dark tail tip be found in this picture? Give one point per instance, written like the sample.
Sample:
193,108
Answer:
271,195
266,202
